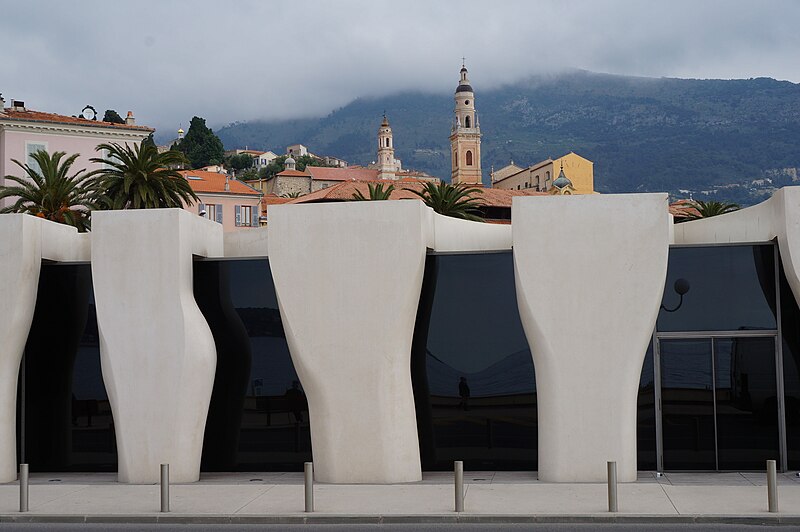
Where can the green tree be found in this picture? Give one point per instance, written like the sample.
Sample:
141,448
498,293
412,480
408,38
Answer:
376,192
247,175
452,200
292,194
707,209
139,177
48,192
113,117
200,145
278,165
239,162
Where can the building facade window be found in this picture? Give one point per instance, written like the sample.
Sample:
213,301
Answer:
469,157
467,122
214,212
244,216
32,147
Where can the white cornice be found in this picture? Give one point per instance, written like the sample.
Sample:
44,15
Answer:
71,130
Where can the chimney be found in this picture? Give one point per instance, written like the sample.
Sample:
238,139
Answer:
2,102
18,105
227,184
130,120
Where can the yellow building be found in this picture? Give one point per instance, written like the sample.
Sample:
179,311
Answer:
544,176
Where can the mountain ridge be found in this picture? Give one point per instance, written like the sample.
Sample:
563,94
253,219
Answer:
734,140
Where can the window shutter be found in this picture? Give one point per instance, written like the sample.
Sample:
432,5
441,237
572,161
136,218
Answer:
255,216
201,207
219,214
238,209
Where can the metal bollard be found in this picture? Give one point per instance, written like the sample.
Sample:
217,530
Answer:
23,487
165,487
308,474
458,477
772,486
612,486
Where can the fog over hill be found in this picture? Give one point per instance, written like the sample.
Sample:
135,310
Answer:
735,140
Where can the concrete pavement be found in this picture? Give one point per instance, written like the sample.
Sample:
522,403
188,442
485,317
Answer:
490,497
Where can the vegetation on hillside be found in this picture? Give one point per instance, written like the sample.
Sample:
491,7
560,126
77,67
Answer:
643,134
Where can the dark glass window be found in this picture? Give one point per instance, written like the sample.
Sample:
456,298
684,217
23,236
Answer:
731,288
646,415
790,331
67,419
258,416
472,370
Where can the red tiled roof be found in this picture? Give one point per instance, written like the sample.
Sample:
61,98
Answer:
214,183
491,197
683,209
37,116
273,199
294,173
359,173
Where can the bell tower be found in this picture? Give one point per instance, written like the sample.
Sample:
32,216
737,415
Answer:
465,136
387,165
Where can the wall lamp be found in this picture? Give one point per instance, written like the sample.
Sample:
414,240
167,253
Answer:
681,286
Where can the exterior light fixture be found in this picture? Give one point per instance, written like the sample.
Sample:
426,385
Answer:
681,287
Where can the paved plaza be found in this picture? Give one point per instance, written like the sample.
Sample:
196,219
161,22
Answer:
490,496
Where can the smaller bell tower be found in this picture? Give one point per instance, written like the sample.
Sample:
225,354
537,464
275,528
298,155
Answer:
387,165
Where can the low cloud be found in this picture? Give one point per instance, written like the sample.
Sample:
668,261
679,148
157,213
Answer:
243,60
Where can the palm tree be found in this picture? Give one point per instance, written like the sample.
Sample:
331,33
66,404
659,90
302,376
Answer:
452,200
376,192
48,192
707,209
138,177
294,194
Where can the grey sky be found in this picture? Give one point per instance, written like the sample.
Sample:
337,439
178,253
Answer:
241,60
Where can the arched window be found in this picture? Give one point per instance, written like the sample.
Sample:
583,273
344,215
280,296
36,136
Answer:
469,155
467,123
387,142
455,159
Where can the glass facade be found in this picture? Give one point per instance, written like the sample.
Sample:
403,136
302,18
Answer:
472,369
712,366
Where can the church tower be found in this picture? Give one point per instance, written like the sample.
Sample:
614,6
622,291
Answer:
465,137
387,165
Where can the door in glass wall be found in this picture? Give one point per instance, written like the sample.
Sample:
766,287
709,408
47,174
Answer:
719,403
746,396
687,404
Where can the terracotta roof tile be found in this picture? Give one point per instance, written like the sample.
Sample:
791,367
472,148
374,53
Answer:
38,116
349,173
491,197
293,173
214,183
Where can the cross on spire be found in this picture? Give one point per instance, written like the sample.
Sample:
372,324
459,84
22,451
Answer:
463,61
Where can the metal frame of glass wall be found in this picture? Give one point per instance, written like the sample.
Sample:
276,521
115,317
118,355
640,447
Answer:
713,336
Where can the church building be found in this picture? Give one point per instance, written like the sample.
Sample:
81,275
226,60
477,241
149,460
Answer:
465,136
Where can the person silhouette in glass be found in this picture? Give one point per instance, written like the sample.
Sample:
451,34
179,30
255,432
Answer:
295,399
463,392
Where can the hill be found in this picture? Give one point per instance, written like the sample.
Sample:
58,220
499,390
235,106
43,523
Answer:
735,140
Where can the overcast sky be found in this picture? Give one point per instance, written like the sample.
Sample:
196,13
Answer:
241,60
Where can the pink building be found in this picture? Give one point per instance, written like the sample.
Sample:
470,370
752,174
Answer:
23,132
224,199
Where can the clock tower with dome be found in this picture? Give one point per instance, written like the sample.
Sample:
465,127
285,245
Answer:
465,136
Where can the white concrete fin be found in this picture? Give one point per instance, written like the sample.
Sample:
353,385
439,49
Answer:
588,290
156,349
348,280
20,262
454,235
246,244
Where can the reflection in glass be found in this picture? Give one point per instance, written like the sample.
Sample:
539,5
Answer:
67,416
746,394
646,416
732,288
790,330
475,393
687,403
255,373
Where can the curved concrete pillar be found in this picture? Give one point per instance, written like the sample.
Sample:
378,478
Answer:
20,262
348,279
156,349
590,273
